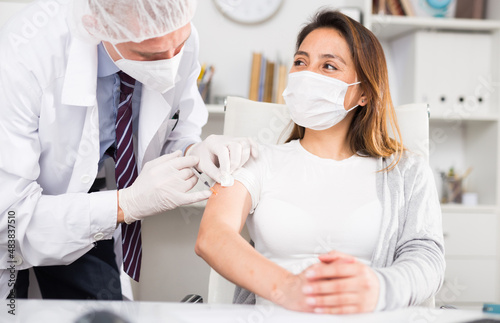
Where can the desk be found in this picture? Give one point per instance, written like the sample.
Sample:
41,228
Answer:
41,311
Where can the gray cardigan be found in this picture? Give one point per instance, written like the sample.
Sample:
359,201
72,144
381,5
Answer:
409,256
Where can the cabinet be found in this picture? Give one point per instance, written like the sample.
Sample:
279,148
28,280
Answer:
463,98
471,257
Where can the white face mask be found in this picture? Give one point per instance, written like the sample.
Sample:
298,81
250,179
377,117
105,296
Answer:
159,75
316,101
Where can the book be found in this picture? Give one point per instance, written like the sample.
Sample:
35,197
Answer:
395,8
202,72
407,8
269,82
378,7
470,9
382,7
262,78
282,79
205,80
255,77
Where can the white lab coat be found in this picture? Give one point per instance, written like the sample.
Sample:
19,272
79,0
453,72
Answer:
49,135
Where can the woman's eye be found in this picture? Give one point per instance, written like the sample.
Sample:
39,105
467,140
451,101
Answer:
298,63
330,67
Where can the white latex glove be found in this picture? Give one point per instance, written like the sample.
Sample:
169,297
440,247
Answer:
220,156
162,185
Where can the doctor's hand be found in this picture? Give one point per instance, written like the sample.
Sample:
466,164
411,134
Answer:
220,156
340,284
162,185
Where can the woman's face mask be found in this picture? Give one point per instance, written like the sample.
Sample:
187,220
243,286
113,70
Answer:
159,75
316,101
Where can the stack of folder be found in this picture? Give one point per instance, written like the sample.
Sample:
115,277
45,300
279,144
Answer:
267,80
204,81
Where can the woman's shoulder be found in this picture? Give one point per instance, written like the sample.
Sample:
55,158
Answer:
278,150
270,157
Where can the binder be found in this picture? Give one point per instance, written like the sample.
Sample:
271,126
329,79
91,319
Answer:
269,81
282,78
394,7
407,8
262,78
255,77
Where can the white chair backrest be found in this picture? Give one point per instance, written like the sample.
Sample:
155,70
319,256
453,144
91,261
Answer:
413,121
270,123
264,122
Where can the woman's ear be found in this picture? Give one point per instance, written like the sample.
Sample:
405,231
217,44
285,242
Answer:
363,100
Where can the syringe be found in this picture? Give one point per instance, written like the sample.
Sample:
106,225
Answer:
204,181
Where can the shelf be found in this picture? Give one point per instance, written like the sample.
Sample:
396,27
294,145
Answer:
460,208
469,118
215,108
387,27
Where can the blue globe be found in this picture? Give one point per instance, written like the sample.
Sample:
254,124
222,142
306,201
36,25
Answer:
439,4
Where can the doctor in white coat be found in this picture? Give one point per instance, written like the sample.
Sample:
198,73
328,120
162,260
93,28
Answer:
59,92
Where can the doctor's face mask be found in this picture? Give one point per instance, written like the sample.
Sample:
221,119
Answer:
316,101
159,75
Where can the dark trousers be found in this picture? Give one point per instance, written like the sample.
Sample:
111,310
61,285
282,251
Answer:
93,276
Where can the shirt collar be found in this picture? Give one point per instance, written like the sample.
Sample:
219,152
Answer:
105,66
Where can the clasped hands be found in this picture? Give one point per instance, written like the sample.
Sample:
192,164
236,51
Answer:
338,284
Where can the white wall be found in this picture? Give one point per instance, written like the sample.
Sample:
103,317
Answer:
493,9
171,269
228,45
9,7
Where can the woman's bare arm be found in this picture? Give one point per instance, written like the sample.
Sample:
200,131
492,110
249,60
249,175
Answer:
220,244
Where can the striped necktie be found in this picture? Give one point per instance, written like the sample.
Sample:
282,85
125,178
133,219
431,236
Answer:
126,173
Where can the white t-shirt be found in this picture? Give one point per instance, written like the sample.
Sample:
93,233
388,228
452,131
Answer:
304,205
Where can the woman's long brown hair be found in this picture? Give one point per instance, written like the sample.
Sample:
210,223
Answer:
368,133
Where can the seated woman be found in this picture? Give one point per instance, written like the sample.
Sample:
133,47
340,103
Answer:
343,218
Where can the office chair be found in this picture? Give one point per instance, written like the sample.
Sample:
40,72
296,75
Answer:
270,123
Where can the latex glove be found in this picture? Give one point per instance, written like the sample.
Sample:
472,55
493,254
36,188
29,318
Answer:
162,185
220,156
